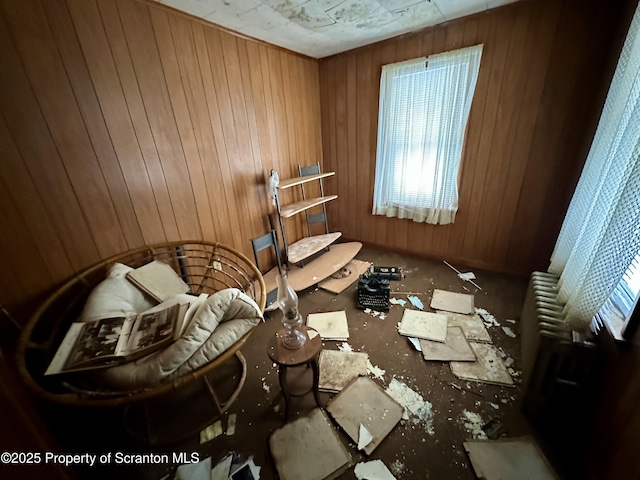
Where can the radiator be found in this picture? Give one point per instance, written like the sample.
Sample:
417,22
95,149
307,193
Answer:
556,362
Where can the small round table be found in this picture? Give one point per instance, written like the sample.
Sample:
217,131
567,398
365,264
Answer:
306,355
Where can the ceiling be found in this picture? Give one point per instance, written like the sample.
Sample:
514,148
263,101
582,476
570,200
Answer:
319,28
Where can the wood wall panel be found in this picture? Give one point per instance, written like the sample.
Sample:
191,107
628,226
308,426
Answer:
544,69
124,123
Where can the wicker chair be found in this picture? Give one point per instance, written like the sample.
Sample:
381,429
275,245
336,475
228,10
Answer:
205,267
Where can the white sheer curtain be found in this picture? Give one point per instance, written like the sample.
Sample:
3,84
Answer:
601,231
422,118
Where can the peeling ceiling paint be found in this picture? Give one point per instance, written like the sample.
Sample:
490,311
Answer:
320,28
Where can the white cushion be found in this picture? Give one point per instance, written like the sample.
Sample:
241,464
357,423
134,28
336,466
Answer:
222,320
115,296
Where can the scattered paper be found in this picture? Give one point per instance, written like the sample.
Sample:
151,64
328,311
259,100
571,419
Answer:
265,387
510,321
488,319
375,371
415,342
345,347
246,470
195,471
364,437
415,301
468,276
416,409
397,301
211,432
509,332
312,334
373,470
221,470
231,425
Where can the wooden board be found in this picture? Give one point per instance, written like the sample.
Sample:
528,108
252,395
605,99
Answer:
352,271
318,269
292,182
308,246
297,207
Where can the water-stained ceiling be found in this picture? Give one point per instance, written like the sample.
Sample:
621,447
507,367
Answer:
319,28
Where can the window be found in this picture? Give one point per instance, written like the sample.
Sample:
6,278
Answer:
617,313
422,117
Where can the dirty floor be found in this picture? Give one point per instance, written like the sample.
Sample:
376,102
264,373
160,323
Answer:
414,449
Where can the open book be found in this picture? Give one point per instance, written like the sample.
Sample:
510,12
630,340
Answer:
112,341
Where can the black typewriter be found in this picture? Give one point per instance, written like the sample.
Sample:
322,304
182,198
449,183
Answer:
373,292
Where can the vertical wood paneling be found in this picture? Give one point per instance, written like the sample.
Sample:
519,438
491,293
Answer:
538,81
123,124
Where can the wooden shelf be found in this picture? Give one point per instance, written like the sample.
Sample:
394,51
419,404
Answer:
308,246
293,208
292,182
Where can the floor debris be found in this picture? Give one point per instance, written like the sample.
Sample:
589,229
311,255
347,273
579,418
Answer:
194,471
509,332
362,402
455,348
212,431
338,368
427,325
397,301
488,319
452,302
416,409
464,276
488,367
415,301
330,325
472,326
309,447
364,437
345,347
508,458
415,343
473,424
377,372
373,470
265,387
231,425
397,467
494,429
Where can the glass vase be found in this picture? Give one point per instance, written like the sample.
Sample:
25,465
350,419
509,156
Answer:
294,336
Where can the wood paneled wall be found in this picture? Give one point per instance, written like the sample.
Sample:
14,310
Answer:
123,123
541,86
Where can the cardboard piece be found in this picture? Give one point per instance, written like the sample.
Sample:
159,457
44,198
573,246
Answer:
452,302
338,368
488,367
344,277
516,457
472,326
426,325
309,448
455,348
362,402
330,325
